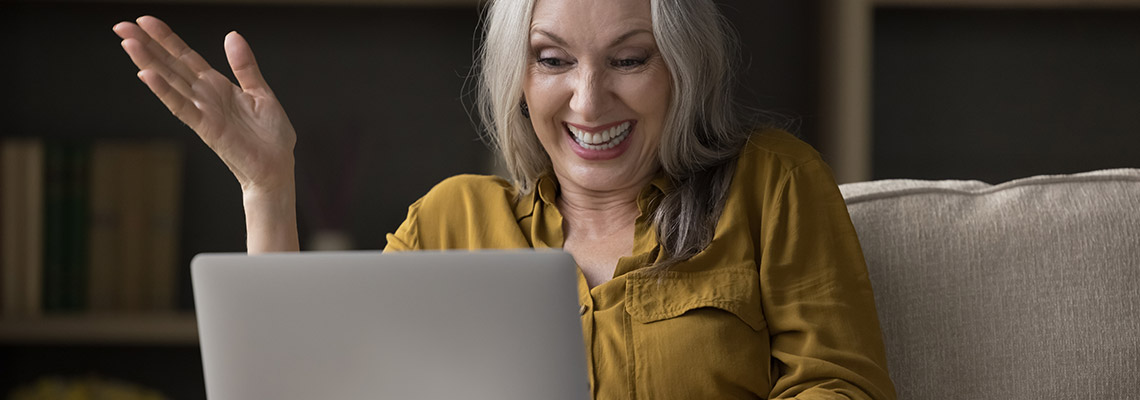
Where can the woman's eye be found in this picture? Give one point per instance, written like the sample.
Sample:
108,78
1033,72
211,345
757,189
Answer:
551,62
629,62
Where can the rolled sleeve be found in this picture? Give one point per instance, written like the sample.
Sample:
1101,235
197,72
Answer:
406,238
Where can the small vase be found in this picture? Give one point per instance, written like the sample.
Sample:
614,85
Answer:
330,240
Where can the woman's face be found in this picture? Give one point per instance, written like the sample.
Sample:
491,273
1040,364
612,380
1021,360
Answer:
598,91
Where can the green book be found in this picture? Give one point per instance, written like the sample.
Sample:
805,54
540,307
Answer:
54,248
76,227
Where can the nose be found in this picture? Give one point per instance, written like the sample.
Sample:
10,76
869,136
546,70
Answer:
591,94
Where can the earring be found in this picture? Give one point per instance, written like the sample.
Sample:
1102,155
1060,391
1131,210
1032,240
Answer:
525,109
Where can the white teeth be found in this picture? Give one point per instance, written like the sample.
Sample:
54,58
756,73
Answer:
602,140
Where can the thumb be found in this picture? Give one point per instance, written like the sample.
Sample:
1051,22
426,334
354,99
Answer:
245,68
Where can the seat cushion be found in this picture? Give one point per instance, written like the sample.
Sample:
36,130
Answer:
1025,290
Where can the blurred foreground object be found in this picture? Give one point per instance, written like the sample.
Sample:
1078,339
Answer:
91,388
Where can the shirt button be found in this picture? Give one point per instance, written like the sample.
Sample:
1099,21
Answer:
582,310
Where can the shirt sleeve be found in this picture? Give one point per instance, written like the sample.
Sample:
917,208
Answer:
825,336
461,212
407,235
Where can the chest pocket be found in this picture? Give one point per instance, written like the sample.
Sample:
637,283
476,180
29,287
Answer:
653,298
698,335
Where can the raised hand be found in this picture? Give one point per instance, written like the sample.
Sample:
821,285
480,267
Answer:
245,125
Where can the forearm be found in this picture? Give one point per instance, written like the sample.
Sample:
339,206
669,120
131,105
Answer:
271,220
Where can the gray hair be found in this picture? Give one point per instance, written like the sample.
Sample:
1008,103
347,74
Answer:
702,136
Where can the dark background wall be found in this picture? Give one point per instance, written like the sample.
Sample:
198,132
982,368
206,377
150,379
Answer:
376,95
996,95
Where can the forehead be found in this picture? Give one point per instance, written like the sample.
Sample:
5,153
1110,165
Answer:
591,19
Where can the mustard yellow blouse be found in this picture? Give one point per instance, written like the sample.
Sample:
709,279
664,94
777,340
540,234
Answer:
778,306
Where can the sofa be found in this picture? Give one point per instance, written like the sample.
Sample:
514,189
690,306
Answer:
1028,289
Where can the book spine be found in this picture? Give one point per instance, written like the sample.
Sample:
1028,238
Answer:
33,233
3,219
11,206
76,228
165,166
104,232
55,252
134,243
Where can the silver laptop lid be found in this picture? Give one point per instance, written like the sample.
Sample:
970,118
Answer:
365,325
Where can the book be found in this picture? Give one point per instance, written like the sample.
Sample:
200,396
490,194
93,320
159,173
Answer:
133,241
55,252
76,223
33,229
134,231
11,226
164,183
89,227
103,231
22,231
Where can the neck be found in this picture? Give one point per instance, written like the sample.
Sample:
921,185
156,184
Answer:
595,214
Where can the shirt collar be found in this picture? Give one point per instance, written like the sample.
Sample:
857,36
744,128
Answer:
547,188
658,188
544,189
662,183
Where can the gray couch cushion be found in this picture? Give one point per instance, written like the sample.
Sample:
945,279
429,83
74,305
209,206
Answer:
1024,290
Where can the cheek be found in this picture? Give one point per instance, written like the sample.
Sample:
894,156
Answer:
545,96
662,89
542,91
650,97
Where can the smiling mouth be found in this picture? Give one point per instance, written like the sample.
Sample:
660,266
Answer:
603,140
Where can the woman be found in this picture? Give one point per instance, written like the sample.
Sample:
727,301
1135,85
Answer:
715,261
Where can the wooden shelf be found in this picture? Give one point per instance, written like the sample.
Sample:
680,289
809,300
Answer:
142,329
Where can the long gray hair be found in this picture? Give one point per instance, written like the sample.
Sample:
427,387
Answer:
702,136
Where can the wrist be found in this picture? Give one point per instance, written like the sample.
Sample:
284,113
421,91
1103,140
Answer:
271,219
274,178
282,194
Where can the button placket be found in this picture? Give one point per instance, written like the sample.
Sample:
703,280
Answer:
585,302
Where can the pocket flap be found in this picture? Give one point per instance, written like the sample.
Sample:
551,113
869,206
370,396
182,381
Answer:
655,297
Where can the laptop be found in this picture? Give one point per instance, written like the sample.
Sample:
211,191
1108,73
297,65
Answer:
412,325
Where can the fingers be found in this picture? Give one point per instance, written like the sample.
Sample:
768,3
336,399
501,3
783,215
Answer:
173,44
150,54
243,63
181,106
146,60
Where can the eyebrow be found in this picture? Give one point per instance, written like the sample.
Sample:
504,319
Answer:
562,42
